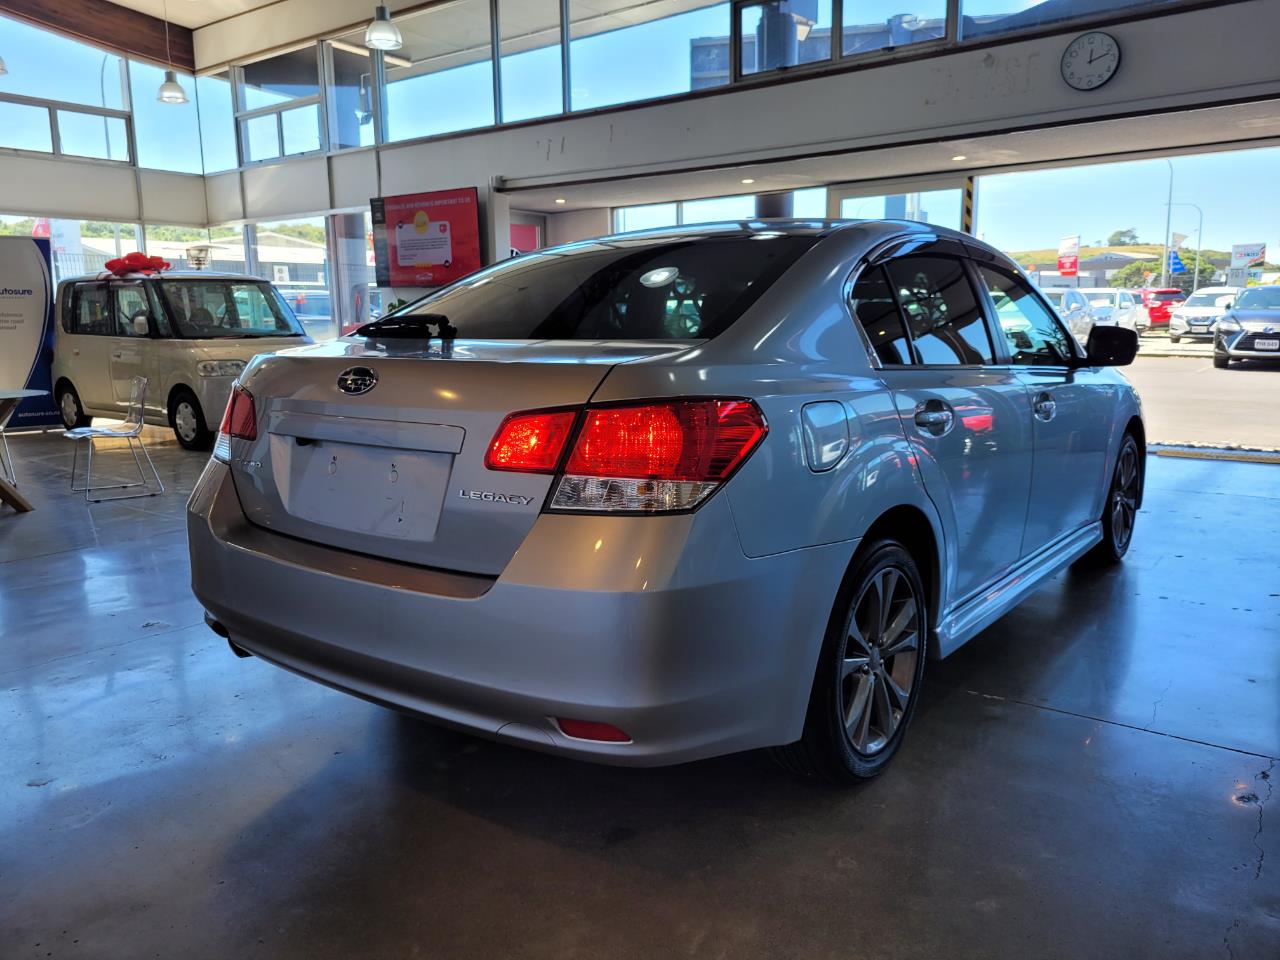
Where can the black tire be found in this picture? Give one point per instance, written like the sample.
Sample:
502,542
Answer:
1221,363
69,408
1120,512
187,421
845,752
1173,339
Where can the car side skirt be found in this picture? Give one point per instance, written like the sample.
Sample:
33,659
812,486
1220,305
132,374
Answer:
976,614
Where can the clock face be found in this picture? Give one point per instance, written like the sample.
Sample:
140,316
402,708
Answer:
1090,60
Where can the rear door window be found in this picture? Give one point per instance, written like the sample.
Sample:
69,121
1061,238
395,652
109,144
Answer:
941,311
659,288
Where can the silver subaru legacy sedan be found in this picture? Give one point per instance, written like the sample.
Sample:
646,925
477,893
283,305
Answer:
666,495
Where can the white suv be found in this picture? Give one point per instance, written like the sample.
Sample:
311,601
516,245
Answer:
189,334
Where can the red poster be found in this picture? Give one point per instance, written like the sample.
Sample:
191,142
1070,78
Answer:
426,239
1069,256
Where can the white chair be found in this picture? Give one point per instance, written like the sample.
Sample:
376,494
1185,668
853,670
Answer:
130,431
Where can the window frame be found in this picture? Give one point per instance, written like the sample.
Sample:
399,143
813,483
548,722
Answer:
319,99
54,107
989,307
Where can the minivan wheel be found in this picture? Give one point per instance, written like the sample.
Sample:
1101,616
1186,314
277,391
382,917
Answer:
869,672
1120,512
187,420
69,408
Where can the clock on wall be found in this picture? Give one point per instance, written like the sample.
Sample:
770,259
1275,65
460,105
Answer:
1090,60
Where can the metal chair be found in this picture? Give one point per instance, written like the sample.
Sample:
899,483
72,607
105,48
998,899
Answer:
131,431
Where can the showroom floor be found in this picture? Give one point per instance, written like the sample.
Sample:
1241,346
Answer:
1089,778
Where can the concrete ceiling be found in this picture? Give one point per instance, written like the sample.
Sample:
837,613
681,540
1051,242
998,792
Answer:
1216,128
193,13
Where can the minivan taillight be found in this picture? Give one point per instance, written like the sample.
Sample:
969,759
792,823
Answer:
649,457
239,421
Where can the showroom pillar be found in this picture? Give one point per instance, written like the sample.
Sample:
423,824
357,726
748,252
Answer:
496,224
774,205
350,275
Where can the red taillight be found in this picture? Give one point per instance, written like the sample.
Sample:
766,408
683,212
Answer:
698,440
530,442
240,421
592,730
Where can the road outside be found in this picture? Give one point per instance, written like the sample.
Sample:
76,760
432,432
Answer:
1186,401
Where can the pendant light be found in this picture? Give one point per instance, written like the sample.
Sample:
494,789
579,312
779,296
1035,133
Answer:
382,34
171,90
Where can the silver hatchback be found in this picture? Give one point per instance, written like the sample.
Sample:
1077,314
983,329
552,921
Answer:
667,495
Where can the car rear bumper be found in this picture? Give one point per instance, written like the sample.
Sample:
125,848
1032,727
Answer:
657,625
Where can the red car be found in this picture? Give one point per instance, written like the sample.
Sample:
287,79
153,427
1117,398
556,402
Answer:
1160,303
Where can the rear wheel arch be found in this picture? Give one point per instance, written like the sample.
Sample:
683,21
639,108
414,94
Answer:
910,526
1138,430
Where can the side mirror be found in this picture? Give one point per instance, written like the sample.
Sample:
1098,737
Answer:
141,325
1111,347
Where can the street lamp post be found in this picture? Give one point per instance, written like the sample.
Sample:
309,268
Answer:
1195,281
1168,218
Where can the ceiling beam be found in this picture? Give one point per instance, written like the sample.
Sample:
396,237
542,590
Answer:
104,24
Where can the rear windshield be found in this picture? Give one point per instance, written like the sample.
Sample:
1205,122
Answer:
1166,297
622,289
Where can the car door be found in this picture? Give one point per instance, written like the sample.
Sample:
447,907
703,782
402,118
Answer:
967,418
130,350
90,346
1071,409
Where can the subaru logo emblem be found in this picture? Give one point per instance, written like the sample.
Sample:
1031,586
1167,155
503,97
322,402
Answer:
357,380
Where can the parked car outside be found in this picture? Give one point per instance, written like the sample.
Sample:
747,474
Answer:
1160,303
670,495
314,307
1250,330
189,334
1073,306
1196,317
1115,308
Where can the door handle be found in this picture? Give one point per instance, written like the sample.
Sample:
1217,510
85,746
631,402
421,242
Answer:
934,418
117,356
1045,407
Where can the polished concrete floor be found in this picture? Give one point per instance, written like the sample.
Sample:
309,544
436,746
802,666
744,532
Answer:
1091,778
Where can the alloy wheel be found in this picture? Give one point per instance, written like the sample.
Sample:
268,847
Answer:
878,667
1124,497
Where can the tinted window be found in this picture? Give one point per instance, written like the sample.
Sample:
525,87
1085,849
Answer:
1166,297
93,310
942,311
204,309
873,306
621,289
1032,331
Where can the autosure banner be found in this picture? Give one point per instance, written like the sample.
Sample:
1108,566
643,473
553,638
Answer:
26,327
426,239
1069,256
1246,255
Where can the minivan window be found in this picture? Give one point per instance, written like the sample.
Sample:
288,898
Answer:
211,309
131,304
93,310
942,311
641,288
1034,335
873,307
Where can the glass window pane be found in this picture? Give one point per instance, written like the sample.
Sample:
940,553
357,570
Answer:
741,207
359,300
293,254
24,127
942,312
634,51
53,67
89,135
301,129
871,25
1034,335
441,80
875,310
217,123
351,97
983,18
280,79
167,134
810,203
939,207
648,216
261,137
785,33
530,59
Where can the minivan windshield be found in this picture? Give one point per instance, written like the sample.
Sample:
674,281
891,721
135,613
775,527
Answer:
217,309
1259,298
620,288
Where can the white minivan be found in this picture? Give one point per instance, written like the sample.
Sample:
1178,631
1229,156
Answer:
189,334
